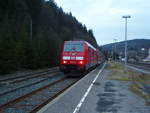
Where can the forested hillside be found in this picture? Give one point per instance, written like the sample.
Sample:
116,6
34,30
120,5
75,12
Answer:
137,48
32,33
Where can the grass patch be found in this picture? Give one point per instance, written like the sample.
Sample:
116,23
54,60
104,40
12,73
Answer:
116,66
137,89
119,73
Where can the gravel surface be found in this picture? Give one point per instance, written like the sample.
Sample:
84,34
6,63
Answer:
8,87
24,72
31,102
23,91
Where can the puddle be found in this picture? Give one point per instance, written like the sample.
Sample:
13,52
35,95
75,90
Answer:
109,87
97,84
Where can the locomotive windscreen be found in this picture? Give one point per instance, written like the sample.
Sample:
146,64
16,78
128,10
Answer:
78,47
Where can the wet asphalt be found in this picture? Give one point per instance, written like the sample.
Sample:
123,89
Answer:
112,96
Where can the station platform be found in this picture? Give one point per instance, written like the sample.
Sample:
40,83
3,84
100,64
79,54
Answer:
95,93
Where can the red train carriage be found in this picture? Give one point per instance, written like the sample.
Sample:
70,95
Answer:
78,56
100,57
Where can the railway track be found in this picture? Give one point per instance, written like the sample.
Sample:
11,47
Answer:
39,93
2,93
144,66
31,75
17,90
34,100
31,91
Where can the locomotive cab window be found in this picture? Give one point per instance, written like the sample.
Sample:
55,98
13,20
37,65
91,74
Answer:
74,48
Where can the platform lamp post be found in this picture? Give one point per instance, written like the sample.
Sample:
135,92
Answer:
126,17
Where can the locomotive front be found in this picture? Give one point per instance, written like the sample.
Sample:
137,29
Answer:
73,56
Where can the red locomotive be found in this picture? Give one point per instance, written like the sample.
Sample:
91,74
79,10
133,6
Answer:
79,56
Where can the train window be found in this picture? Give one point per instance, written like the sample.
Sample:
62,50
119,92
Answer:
74,47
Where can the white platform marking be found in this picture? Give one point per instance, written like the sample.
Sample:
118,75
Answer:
87,92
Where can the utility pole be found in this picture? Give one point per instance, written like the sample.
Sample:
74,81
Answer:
112,52
126,17
115,40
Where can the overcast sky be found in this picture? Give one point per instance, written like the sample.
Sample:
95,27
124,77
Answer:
105,17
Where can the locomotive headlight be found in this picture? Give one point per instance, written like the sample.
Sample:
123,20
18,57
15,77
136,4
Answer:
81,62
64,62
